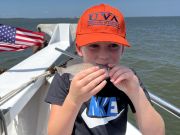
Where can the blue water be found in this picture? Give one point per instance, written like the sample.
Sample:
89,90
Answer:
155,55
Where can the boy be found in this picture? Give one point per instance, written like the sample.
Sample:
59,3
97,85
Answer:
96,102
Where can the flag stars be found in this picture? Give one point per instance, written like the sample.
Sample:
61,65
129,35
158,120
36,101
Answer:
7,34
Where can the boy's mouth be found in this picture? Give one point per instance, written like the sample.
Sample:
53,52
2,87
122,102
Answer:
102,66
106,67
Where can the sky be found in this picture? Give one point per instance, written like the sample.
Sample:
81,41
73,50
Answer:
74,8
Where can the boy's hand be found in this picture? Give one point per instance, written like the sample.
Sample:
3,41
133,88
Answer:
86,84
124,79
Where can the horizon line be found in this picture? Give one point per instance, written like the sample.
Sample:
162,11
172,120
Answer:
74,17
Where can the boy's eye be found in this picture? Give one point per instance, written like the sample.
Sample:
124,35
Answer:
93,46
114,45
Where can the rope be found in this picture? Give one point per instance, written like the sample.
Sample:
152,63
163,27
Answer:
11,94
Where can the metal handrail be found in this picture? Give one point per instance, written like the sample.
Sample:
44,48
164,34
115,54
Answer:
165,105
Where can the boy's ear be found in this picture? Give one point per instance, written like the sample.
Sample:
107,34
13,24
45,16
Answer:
78,50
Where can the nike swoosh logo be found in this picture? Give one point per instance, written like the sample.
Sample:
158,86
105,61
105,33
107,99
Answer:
94,122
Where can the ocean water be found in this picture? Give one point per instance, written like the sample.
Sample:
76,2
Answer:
154,54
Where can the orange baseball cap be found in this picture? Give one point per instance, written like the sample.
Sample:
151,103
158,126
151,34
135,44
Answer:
101,23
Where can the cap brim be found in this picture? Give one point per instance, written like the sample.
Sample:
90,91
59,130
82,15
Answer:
85,39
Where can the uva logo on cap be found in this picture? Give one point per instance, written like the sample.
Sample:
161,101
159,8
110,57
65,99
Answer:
103,18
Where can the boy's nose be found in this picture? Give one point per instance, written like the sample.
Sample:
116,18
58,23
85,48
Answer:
103,54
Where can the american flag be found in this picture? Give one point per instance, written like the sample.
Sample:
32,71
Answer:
17,39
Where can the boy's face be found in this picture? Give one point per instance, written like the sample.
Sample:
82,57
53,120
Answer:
103,53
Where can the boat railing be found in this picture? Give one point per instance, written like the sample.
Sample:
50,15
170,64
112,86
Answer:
175,111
